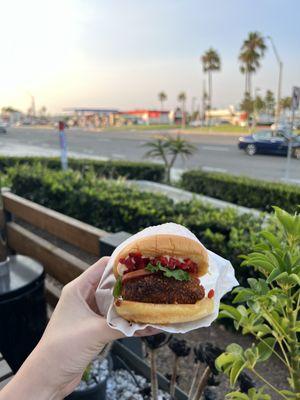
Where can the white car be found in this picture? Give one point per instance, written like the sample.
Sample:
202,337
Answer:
196,123
281,126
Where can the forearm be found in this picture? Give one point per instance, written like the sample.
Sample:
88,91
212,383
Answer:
30,382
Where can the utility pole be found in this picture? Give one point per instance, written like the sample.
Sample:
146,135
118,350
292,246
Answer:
203,101
295,106
279,84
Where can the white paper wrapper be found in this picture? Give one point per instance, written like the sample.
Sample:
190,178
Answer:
220,277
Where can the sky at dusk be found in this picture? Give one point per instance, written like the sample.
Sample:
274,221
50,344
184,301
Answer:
121,53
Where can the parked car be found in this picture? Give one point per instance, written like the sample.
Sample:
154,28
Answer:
196,123
269,142
2,129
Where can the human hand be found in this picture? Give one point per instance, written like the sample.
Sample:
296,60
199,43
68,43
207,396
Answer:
76,333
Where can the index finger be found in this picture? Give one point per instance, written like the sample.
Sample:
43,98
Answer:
93,274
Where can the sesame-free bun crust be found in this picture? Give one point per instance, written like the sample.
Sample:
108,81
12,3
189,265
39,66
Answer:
171,245
163,314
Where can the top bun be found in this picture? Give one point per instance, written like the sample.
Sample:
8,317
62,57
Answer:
165,244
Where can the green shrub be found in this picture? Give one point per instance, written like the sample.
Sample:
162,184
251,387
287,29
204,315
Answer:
269,312
110,205
114,206
247,192
108,169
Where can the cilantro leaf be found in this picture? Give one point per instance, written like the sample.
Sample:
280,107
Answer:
118,287
177,274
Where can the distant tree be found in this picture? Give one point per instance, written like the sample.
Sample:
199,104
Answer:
251,53
182,100
168,149
247,104
9,109
42,112
162,98
259,104
270,102
286,103
211,61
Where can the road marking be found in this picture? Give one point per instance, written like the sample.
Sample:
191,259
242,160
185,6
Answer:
215,148
213,169
116,155
103,140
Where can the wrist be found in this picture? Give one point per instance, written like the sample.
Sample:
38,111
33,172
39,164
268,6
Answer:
31,382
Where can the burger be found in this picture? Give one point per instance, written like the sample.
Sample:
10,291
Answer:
157,280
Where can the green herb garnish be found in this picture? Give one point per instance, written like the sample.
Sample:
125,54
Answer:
118,287
177,274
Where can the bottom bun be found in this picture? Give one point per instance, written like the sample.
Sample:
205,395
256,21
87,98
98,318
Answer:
162,314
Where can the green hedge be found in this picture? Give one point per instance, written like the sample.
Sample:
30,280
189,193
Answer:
109,169
113,206
243,191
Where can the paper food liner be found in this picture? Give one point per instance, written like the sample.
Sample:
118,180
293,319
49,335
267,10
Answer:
220,277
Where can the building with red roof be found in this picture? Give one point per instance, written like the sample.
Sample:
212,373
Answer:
148,117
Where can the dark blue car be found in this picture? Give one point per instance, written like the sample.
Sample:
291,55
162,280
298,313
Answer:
269,142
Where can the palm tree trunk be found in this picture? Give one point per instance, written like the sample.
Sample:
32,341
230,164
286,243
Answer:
162,105
183,114
246,82
249,85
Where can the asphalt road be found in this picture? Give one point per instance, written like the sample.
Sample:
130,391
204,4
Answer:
215,152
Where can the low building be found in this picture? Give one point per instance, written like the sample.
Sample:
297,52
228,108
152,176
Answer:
147,117
86,117
10,116
229,115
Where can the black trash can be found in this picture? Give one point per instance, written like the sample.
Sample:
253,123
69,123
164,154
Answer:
23,314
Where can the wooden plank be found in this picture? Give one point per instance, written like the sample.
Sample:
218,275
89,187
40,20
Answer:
75,232
5,382
5,370
2,219
52,293
58,263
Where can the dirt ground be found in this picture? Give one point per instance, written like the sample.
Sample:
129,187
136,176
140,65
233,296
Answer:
221,337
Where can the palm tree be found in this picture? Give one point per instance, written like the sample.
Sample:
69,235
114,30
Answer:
211,62
286,103
168,149
182,99
252,51
162,98
270,102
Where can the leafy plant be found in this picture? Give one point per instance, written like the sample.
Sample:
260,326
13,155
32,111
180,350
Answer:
271,311
86,376
168,149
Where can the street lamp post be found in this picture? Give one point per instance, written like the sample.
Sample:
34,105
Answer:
280,64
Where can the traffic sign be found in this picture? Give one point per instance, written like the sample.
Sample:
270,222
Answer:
296,97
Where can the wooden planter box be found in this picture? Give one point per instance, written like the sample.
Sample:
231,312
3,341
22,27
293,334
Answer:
139,366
